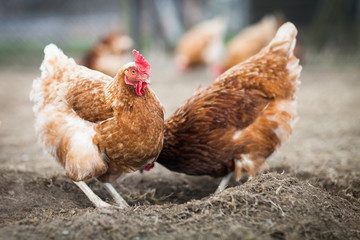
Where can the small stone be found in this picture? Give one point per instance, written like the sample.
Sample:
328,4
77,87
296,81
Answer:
269,223
65,232
12,193
67,224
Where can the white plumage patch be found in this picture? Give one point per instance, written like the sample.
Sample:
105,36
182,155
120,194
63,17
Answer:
62,132
238,163
237,134
281,133
51,52
35,94
246,161
284,121
83,154
286,36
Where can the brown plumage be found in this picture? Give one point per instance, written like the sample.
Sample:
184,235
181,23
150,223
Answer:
202,44
240,120
109,53
95,125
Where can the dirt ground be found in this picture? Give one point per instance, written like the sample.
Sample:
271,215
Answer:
312,190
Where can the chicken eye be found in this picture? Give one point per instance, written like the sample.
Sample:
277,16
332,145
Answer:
133,71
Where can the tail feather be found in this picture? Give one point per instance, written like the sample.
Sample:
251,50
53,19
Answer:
64,135
54,57
274,70
281,48
43,88
285,39
279,116
285,42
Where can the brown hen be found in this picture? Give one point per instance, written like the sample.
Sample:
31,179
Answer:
96,125
240,120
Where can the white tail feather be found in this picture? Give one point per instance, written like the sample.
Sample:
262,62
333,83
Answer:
285,41
54,56
285,38
57,126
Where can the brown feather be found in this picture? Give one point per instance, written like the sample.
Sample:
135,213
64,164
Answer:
87,99
126,138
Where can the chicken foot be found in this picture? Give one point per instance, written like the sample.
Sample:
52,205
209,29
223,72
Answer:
224,182
98,202
116,196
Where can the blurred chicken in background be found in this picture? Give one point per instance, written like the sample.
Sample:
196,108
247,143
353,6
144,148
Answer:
110,53
202,44
248,42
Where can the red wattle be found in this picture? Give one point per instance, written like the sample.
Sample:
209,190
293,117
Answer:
138,89
148,167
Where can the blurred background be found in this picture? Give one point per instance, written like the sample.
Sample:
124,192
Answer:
26,26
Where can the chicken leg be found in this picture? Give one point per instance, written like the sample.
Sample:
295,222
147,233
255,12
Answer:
98,202
224,182
116,196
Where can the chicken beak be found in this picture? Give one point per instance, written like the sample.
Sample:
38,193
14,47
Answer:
146,79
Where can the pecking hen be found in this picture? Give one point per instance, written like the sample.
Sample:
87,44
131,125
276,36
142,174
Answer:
240,120
95,125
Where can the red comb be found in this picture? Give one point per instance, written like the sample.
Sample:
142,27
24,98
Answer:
143,66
